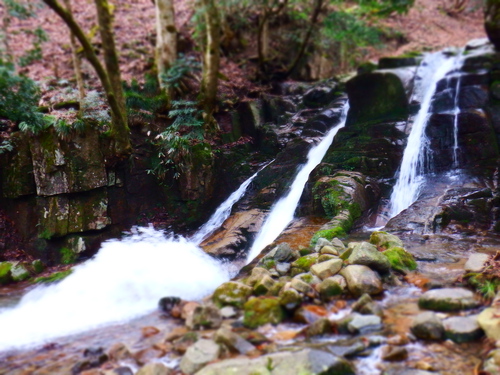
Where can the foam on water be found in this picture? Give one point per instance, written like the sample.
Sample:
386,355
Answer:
124,280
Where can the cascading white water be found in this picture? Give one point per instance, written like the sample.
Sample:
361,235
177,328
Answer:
124,280
434,67
223,211
456,111
283,211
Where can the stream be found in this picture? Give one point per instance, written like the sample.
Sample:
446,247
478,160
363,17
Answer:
113,297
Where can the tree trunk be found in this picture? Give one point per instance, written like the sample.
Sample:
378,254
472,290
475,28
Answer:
119,128
77,63
305,42
211,61
166,40
263,41
492,21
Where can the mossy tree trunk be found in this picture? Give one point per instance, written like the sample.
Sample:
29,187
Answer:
119,127
166,40
492,21
77,63
211,62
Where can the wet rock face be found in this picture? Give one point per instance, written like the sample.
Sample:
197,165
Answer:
376,96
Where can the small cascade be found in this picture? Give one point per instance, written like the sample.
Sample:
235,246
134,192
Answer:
416,157
456,110
223,211
283,211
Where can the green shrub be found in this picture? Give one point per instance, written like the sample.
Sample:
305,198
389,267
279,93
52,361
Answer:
19,97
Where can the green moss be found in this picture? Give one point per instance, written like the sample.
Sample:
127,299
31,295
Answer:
5,276
45,234
262,310
328,234
56,276
400,259
68,256
231,293
268,263
305,262
385,240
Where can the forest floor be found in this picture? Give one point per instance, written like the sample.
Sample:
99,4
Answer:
429,26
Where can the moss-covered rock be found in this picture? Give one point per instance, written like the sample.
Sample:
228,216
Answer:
379,95
56,276
262,310
19,272
290,299
328,234
303,264
400,259
231,293
5,276
384,240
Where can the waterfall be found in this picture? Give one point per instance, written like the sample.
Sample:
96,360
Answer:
283,211
124,280
223,211
456,111
411,173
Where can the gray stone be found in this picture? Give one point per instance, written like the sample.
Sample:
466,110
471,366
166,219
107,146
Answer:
364,323
306,361
330,287
319,327
233,341
198,355
19,272
290,299
394,353
367,254
264,285
462,328
203,317
308,277
320,243
427,326
361,279
125,370
228,312
327,269
366,306
489,321
324,257
302,287
155,368
448,299
476,262
283,268
329,250
257,274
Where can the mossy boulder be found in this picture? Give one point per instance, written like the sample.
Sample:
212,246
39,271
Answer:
328,234
400,259
231,293
303,264
262,310
19,272
384,240
5,276
366,254
379,95
448,299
